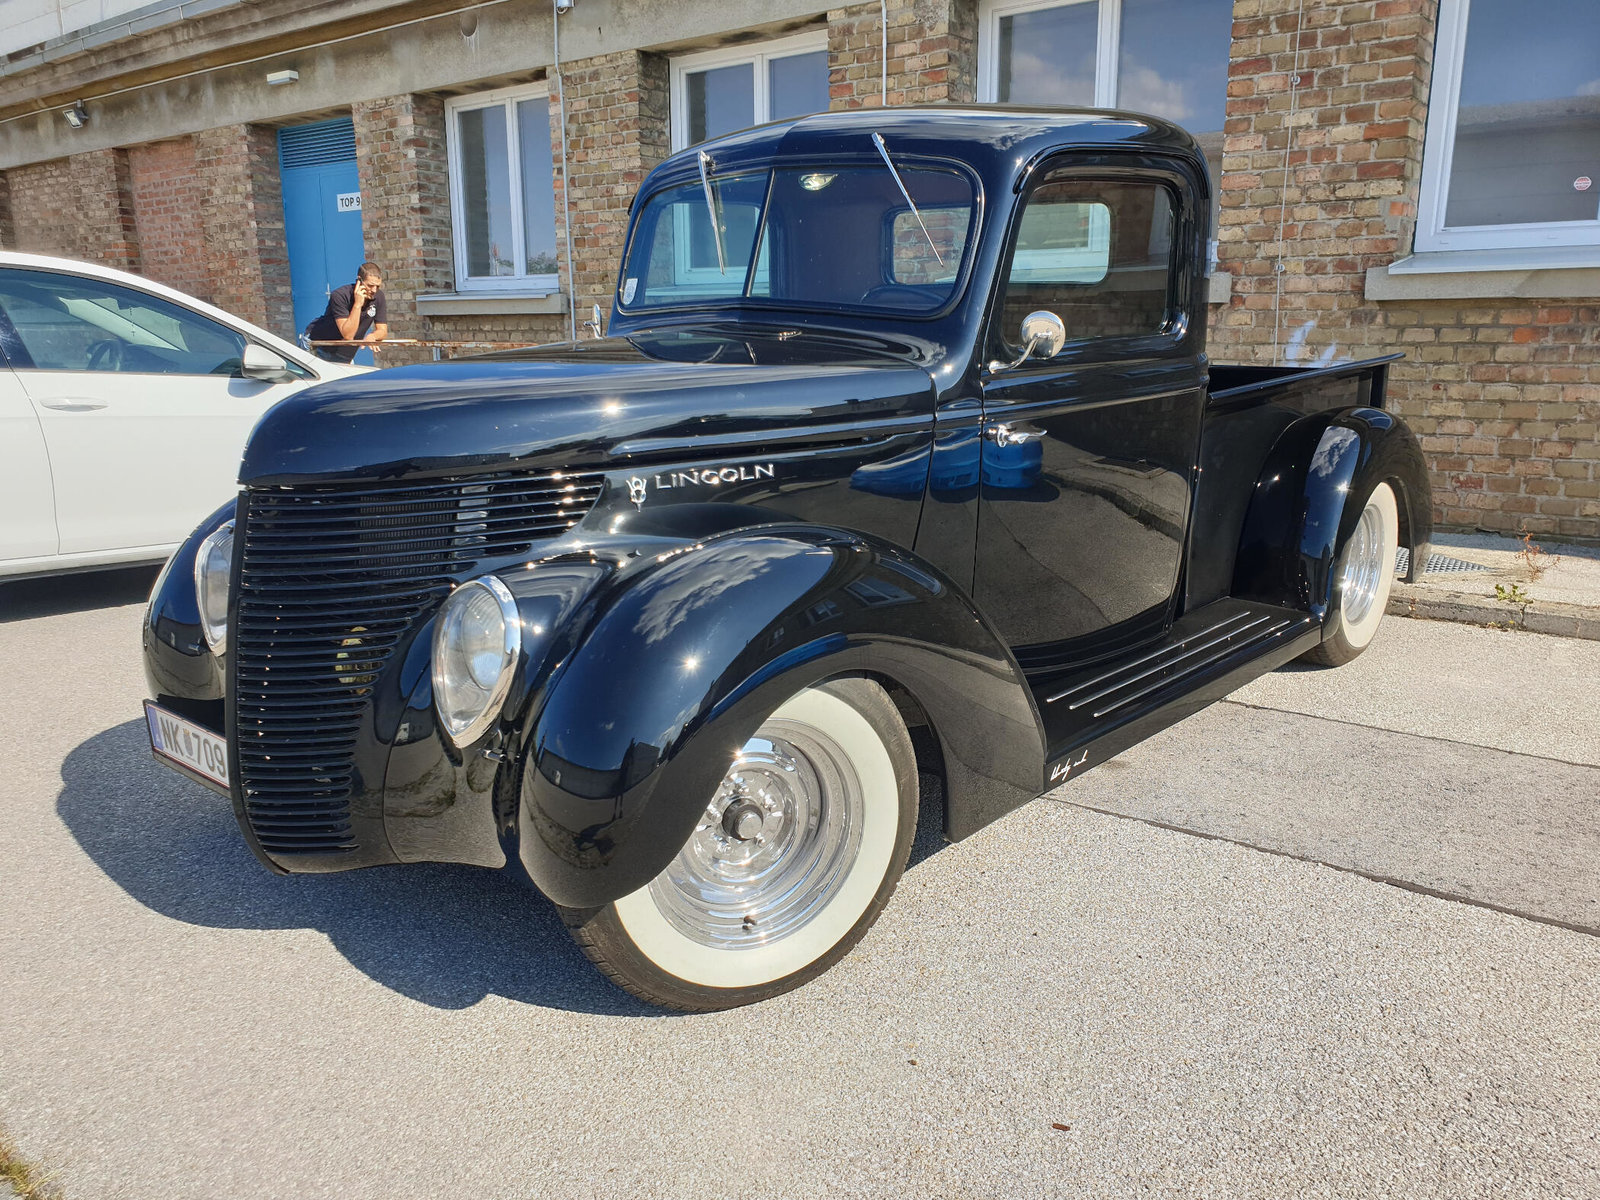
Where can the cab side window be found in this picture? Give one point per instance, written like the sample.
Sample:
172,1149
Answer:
1098,253
67,323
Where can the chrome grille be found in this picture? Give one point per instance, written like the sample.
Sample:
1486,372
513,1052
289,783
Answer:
332,579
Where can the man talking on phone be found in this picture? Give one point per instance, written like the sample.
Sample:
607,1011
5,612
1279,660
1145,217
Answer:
356,312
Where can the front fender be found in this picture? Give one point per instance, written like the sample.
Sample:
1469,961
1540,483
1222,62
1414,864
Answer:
690,652
179,668
1309,497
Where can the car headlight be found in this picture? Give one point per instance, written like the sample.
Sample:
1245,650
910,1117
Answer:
475,645
213,563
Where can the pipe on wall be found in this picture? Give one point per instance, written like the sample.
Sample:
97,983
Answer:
557,8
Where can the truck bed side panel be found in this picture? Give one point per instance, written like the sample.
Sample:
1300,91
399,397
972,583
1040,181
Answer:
1248,408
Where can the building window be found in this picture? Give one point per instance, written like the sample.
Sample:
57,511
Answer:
724,90
1512,158
502,190
1168,58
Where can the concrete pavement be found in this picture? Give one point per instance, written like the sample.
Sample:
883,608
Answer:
1205,1018
1492,795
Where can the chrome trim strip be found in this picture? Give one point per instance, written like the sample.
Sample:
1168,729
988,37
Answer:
879,427
1161,666
1206,632
1260,639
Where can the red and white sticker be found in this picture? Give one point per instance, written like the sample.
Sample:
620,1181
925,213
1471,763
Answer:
1582,183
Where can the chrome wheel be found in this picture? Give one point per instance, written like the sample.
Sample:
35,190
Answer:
1363,575
1364,565
790,861
772,845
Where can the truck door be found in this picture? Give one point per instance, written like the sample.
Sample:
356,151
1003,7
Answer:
1088,457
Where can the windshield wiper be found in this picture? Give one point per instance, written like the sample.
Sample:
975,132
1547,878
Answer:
877,140
711,209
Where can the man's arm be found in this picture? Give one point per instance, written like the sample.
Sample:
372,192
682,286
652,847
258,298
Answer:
348,321
380,318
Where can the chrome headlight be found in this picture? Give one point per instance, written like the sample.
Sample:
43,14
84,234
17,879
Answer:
213,563
475,645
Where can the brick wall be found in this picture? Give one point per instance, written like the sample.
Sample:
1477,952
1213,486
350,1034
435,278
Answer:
1323,139
1505,396
405,206
617,111
168,211
933,53
1325,123
236,167
8,230
536,328
79,207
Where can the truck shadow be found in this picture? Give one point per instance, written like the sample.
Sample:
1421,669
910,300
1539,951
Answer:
444,935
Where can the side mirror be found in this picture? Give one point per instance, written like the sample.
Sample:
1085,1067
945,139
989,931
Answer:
260,363
1043,335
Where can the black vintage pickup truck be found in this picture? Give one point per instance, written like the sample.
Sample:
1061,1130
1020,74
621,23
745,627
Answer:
904,426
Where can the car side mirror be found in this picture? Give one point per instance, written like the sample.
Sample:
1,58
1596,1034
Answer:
1043,335
260,363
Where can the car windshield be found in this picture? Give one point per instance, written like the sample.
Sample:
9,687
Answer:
807,237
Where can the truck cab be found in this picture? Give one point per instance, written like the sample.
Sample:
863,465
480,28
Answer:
902,453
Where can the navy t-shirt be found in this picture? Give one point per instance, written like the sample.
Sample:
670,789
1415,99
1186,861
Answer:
339,302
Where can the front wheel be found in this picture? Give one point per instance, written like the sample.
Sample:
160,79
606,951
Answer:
1363,576
794,857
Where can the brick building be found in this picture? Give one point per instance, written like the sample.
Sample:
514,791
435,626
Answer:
1414,175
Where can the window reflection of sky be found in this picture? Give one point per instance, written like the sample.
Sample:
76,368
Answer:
721,100
1047,57
1528,122
1517,54
486,188
1174,60
797,85
538,189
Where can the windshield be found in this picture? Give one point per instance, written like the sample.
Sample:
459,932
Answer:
828,237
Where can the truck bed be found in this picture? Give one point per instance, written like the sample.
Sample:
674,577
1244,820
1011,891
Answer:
1359,382
1247,408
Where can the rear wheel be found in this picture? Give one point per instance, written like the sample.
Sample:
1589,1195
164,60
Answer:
1362,579
794,857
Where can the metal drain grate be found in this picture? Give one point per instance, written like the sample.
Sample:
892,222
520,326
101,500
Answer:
1438,564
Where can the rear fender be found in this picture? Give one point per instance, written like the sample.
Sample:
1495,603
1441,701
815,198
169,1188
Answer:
685,654
1309,497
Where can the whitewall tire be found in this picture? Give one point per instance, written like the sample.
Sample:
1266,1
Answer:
796,853
1362,579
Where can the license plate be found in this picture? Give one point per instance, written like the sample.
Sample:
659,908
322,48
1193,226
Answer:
191,747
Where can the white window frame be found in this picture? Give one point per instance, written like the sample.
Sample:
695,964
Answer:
1108,45
757,54
507,98
1438,149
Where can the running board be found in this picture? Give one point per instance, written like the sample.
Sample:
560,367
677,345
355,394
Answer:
1100,712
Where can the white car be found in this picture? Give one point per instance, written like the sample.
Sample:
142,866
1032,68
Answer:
124,409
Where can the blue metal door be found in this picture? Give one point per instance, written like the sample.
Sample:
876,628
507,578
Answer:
321,214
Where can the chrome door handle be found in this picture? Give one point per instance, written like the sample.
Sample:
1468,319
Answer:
66,404
1006,434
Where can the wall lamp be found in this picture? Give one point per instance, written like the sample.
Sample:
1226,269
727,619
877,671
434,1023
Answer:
77,116
279,78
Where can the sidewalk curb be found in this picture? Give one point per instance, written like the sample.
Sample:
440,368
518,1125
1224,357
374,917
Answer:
1560,620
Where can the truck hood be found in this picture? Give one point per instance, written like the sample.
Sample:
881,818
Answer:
653,394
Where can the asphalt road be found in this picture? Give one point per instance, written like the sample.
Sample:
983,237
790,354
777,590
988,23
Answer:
1245,1013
